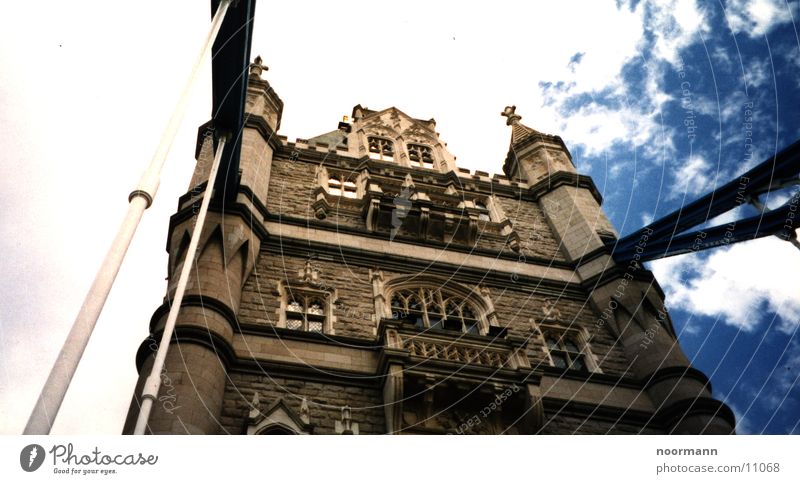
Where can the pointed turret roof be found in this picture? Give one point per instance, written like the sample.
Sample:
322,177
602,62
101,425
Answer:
521,138
519,132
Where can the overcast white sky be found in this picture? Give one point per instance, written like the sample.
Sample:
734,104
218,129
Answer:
87,87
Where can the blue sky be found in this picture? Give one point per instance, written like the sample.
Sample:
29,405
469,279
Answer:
695,103
86,89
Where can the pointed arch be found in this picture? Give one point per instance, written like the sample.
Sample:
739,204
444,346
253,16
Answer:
243,253
436,302
277,419
213,240
180,253
625,317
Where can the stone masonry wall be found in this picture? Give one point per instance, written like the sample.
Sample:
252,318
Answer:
353,312
515,307
292,185
325,402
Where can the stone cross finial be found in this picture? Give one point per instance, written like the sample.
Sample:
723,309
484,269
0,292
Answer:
257,67
254,410
513,118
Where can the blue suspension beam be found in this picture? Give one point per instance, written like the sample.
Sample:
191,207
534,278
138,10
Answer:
229,68
666,236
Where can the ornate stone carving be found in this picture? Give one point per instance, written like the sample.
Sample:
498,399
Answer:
549,311
458,353
419,134
346,426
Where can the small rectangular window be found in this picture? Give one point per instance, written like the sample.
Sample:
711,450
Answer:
305,313
350,189
334,187
338,187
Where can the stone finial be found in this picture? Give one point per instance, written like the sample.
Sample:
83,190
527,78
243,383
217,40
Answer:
346,426
513,118
254,404
347,420
257,67
305,415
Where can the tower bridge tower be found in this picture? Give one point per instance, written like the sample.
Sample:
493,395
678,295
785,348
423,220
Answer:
359,281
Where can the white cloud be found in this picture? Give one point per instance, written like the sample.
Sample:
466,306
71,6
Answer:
722,58
692,178
458,63
460,67
736,284
758,73
598,127
628,114
758,17
675,24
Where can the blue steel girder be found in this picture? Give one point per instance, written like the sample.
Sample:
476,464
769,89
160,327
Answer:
229,67
665,237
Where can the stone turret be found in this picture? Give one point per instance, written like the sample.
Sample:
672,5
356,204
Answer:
570,201
626,296
193,383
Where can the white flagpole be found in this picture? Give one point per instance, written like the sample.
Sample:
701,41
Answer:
54,390
153,382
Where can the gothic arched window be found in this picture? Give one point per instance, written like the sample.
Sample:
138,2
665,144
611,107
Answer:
380,149
428,308
277,430
565,352
421,156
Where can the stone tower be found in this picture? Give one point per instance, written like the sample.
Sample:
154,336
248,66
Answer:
362,283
